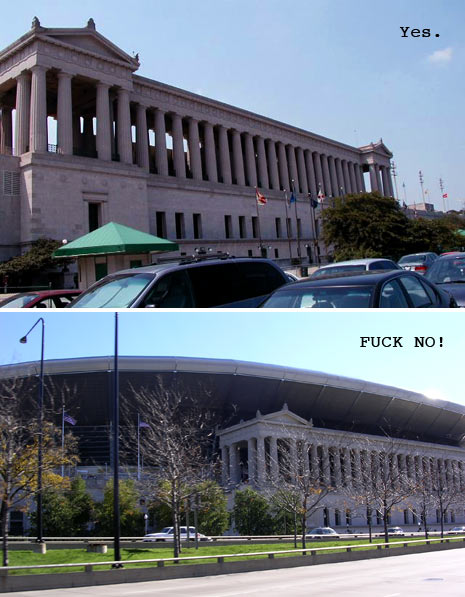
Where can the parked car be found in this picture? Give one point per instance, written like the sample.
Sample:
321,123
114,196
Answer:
354,265
326,532
448,273
167,534
227,282
41,299
396,531
393,289
417,262
456,531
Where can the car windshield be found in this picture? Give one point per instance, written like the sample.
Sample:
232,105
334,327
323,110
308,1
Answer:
19,301
116,292
337,269
413,259
444,271
320,297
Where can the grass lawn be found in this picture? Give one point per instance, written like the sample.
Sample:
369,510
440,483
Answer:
69,556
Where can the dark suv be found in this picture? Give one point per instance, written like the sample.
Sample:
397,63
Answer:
228,282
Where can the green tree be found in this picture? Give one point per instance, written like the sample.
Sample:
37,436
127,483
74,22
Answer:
432,235
365,225
82,507
252,513
25,269
131,518
213,516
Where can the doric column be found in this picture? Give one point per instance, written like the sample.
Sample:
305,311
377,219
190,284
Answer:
326,469
23,108
345,173
250,168
263,181
358,467
320,185
353,182
210,152
314,462
292,168
6,138
142,138
251,460
272,164
64,114
261,463
347,467
123,127
194,149
238,161
378,178
38,123
373,181
411,467
301,170
312,185
282,166
327,181
161,157
341,187
337,467
225,161
385,177
358,178
305,458
333,176
293,460
389,179
224,466
233,465
103,141
178,147
274,466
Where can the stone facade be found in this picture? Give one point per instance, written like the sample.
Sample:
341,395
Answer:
258,453
157,158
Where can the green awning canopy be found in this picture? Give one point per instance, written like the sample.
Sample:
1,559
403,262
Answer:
115,238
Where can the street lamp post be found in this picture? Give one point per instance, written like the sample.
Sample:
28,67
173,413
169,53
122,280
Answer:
23,340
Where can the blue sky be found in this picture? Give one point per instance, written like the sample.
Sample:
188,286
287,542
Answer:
335,67
326,341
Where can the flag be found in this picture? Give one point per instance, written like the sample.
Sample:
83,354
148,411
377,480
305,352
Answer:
261,199
444,196
142,424
292,198
69,419
320,195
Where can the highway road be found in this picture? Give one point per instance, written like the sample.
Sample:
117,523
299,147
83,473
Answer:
436,573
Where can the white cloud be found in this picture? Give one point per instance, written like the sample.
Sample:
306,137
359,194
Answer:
441,56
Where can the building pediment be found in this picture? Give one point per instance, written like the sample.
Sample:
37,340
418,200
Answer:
379,148
88,40
285,417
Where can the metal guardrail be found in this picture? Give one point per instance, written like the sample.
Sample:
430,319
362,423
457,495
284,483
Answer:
220,558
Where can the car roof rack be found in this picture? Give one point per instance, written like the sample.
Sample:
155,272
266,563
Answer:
199,255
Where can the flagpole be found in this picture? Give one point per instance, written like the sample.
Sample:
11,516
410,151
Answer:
63,441
287,227
258,222
138,446
299,254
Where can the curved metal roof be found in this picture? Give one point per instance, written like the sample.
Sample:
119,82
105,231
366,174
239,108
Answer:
332,401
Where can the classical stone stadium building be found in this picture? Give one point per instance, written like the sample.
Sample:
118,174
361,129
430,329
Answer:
85,141
341,424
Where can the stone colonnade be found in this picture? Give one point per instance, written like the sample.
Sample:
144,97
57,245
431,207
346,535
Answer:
122,126
260,459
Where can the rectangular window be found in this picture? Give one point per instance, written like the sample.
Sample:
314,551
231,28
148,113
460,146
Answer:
179,220
348,517
161,224
405,516
242,230
95,216
227,227
276,254
337,517
10,183
299,227
197,223
254,226
278,227
250,252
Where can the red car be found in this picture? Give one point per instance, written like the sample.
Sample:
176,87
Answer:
40,299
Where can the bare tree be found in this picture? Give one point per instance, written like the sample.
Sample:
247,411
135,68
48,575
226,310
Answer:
301,482
19,432
177,442
446,490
